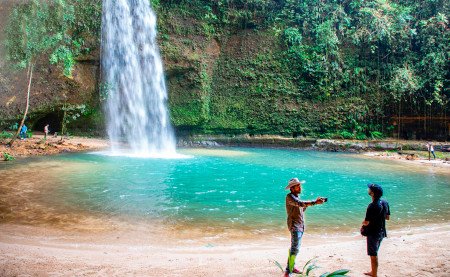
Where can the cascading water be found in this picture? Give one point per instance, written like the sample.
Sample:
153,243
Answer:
137,116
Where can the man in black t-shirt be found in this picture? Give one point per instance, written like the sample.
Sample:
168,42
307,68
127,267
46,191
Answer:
375,222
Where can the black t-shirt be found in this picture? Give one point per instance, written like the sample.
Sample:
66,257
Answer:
376,215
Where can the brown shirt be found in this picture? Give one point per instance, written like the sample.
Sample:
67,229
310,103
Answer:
295,209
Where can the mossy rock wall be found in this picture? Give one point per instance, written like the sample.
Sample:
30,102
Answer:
241,83
259,67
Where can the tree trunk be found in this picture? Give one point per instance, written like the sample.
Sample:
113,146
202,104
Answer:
63,123
399,118
30,70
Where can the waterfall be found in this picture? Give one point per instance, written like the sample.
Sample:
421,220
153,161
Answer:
138,122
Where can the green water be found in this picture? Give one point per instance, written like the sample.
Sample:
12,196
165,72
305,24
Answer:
240,188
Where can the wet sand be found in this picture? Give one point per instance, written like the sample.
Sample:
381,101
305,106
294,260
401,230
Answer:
437,164
38,251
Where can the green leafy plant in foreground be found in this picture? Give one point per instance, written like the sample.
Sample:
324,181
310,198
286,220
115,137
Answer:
311,265
7,157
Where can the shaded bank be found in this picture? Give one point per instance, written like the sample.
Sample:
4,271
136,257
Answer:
37,146
333,145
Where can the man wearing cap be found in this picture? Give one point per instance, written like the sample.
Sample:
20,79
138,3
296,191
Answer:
295,220
375,222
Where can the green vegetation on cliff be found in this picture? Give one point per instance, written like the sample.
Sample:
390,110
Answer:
320,68
297,68
62,30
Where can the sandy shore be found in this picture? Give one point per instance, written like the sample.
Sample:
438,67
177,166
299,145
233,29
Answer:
37,146
35,251
436,163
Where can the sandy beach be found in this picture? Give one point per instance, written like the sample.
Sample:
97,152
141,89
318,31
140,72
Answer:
439,164
37,251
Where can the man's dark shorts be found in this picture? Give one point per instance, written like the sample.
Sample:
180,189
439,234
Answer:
373,244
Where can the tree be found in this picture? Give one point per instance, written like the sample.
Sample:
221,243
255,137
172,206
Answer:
36,28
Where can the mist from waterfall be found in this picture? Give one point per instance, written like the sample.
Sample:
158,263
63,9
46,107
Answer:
138,122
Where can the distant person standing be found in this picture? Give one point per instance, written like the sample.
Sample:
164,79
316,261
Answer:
23,132
295,220
375,223
46,130
430,149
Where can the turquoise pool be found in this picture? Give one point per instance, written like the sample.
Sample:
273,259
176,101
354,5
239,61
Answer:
235,188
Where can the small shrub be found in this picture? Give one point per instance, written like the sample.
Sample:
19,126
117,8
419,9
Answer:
14,126
361,136
326,136
311,265
6,135
376,135
7,156
346,135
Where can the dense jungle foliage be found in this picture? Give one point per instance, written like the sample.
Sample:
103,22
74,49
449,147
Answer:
298,68
63,30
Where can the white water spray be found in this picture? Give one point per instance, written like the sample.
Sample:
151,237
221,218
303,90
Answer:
137,116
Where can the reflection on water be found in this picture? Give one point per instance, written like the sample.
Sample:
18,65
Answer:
227,190
124,152
215,152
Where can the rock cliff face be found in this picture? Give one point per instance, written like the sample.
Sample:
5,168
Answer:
226,79
234,82
9,79
239,84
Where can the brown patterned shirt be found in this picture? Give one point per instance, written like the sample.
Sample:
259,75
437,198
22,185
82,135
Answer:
295,209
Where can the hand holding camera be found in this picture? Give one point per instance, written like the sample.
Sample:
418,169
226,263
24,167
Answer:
321,200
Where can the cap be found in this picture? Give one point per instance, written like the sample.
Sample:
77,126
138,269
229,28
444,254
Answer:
376,189
293,182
